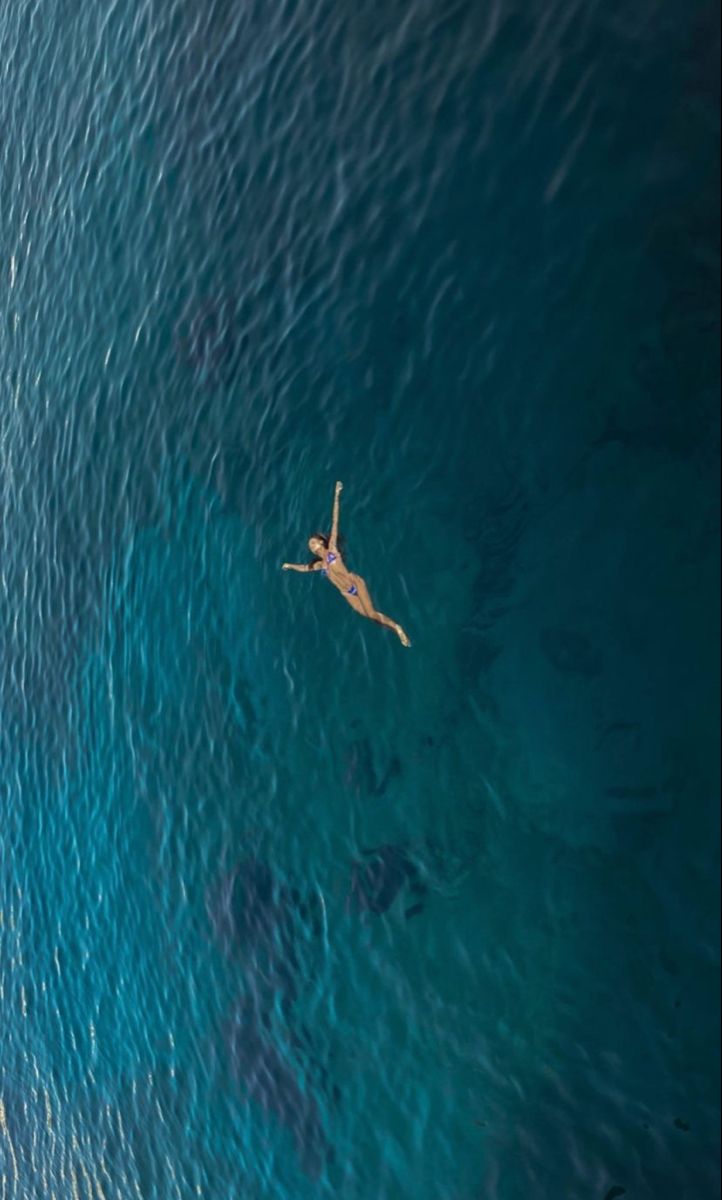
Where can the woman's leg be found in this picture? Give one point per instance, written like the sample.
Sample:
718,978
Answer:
361,600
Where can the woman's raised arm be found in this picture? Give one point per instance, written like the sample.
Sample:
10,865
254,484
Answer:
334,520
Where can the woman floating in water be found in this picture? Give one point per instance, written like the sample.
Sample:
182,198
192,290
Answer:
328,560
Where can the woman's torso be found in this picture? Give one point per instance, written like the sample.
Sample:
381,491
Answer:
336,571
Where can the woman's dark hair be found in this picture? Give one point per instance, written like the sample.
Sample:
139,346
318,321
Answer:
322,537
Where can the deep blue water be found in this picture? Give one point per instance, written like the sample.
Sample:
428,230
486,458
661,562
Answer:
465,258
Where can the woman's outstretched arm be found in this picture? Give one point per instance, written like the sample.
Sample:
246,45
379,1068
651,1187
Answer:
312,566
333,538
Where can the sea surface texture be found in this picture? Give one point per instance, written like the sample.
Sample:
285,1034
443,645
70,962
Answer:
288,911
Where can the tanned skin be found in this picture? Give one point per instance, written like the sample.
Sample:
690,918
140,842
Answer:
328,558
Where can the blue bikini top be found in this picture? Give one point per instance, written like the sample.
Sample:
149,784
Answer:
331,558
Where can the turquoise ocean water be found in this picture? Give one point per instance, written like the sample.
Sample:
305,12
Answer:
463,256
